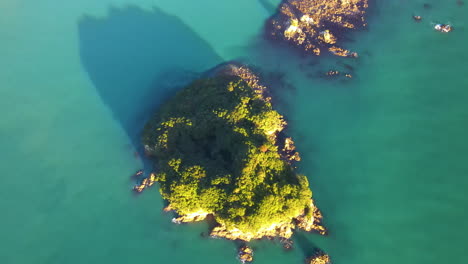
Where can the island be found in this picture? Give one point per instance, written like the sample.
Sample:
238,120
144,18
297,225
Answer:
220,151
316,25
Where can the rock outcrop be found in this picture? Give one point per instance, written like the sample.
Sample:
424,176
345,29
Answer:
289,150
145,183
319,257
317,25
311,221
245,254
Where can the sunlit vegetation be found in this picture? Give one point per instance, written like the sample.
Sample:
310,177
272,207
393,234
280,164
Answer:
215,147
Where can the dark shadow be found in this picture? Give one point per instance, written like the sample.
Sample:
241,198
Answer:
271,8
304,245
137,58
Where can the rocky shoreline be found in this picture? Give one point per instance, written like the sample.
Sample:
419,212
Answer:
316,26
245,254
307,222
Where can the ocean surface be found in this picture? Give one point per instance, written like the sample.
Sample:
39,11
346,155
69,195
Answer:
386,152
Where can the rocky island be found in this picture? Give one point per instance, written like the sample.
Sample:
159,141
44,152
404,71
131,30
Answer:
316,25
220,151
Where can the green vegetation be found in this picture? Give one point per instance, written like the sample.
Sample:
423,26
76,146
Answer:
215,143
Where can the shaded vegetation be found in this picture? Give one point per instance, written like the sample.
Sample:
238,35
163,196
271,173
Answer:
215,143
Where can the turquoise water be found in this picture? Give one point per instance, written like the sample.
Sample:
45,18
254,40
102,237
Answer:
385,153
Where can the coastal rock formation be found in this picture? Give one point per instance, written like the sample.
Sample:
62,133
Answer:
316,25
145,183
319,257
289,150
221,152
245,254
191,217
312,221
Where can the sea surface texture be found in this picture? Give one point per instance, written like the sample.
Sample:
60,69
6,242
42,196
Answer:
385,152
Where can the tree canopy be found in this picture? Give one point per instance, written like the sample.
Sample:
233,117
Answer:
216,152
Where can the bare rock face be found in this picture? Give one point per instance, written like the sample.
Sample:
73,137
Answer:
316,25
193,217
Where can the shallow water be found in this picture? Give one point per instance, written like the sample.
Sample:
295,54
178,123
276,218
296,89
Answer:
385,152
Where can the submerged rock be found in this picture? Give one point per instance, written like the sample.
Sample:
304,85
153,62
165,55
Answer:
336,74
286,243
192,217
317,25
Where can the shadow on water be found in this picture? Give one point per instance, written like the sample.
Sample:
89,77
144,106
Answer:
137,58
269,6
304,245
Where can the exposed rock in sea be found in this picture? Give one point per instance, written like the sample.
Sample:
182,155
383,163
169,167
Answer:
289,150
192,217
336,74
317,25
245,254
319,257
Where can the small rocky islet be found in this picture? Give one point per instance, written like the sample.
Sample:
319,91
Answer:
319,257
315,26
220,151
